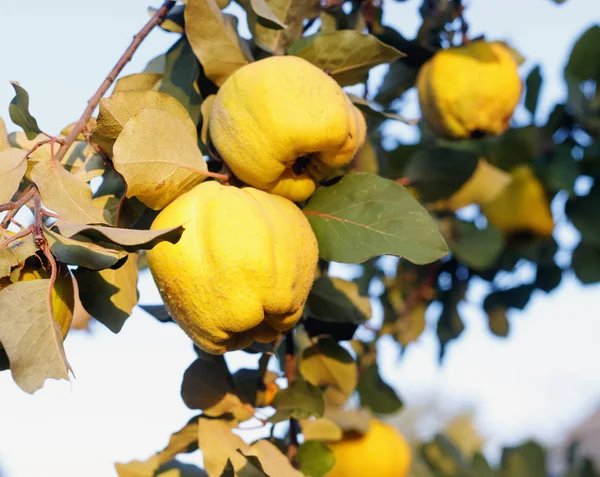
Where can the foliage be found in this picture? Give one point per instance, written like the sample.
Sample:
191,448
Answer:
95,189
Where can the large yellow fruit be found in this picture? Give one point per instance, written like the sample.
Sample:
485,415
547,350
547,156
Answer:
469,90
242,269
279,122
522,206
381,452
63,299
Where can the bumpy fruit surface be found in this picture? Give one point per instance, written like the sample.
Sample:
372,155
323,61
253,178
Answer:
63,300
241,271
381,452
279,122
469,90
522,206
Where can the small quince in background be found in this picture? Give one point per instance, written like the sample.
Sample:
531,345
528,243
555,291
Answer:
469,90
241,271
281,123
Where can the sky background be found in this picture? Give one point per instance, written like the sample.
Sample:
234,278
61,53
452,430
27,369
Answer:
124,401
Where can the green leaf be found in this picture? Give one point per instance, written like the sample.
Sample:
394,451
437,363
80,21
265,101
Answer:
583,212
265,15
65,194
15,253
213,39
330,367
13,165
19,112
586,263
444,457
347,55
179,469
109,295
481,466
477,248
83,251
326,302
300,401
583,62
180,77
158,157
372,109
30,335
548,276
208,385
375,393
399,78
131,240
364,216
533,84
315,458
438,172
527,460
516,297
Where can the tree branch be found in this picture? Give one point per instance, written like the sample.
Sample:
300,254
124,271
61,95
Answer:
290,373
156,19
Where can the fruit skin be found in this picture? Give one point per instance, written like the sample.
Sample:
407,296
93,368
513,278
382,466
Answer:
469,89
242,269
381,452
63,299
272,112
522,206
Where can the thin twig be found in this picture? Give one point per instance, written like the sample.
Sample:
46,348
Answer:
156,19
290,373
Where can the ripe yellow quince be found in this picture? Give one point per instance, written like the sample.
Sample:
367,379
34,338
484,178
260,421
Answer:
279,123
522,206
469,90
382,451
63,300
242,269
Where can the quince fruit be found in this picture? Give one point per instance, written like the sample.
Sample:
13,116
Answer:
242,269
382,451
522,206
63,299
281,123
470,90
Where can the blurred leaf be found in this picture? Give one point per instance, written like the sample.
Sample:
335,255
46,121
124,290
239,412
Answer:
12,169
364,215
586,263
583,212
182,441
15,253
180,77
533,84
477,248
208,385
481,466
443,456
516,297
255,386
349,420
109,295
438,172
498,321
83,251
347,55
65,194
173,22
514,147
300,401
329,366
375,393
450,324
583,64
4,142
131,240
213,39
548,276
370,108
158,158
271,460
527,460
30,336
399,78
315,458
366,160
138,81
290,13
121,106
179,469
157,311
19,112
561,171
265,15
321,429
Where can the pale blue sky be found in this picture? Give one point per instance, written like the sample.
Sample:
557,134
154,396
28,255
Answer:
125,399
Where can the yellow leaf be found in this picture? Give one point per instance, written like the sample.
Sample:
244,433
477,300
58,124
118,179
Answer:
410,325
351,290
158,156
4,143
214,40
366,159
12,168
138,81
323,429
117,109
90,125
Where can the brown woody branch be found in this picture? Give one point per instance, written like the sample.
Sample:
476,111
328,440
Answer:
156,19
